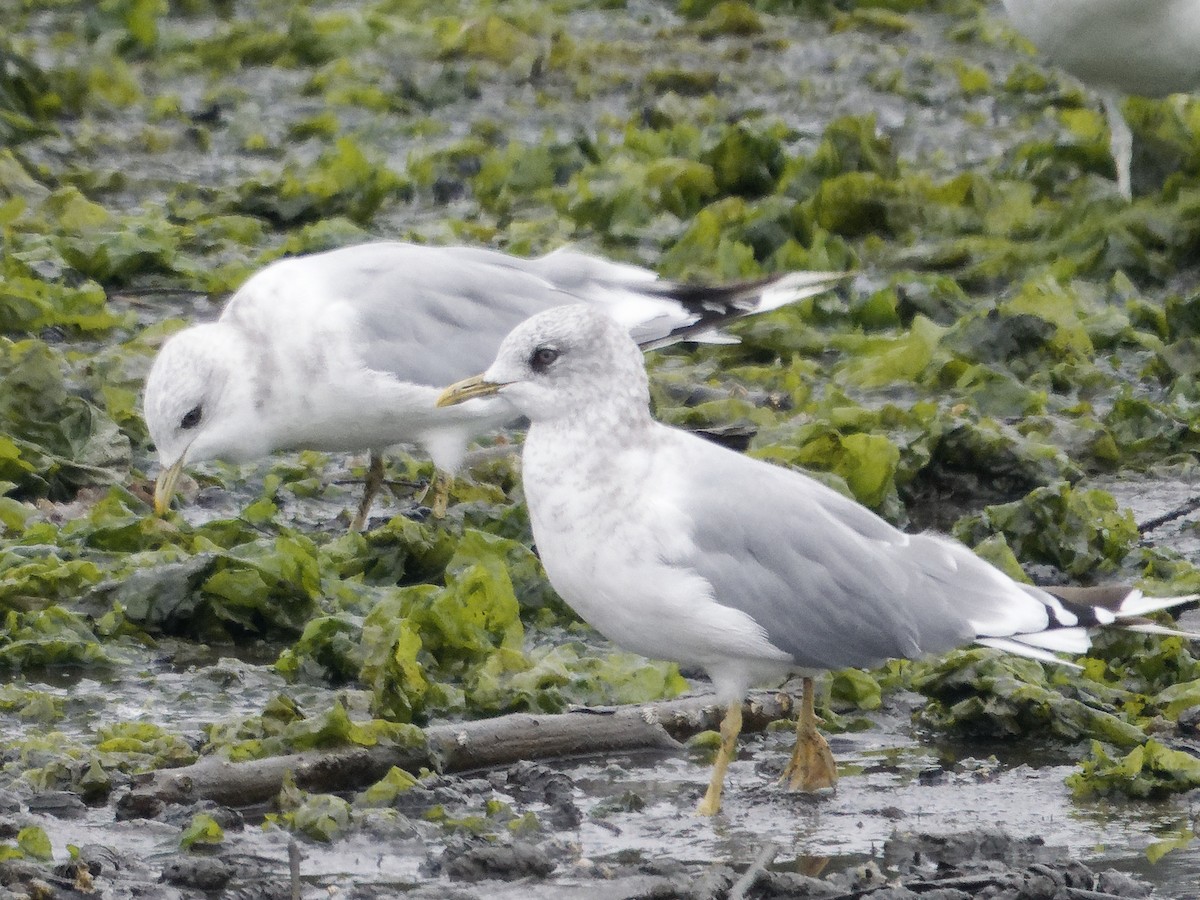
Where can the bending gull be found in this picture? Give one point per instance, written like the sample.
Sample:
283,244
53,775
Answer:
679,549
345,350
1146,47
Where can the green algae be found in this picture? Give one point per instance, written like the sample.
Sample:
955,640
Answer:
1101,533
1014,330
202,831
1148,771
34,843
321,817
384,792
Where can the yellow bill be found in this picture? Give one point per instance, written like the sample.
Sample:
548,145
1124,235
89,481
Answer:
467,389
164,487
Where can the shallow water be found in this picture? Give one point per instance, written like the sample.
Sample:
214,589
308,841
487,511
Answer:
637,806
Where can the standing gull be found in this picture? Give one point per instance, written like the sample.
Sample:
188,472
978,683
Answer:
1146,47
679,549
344,350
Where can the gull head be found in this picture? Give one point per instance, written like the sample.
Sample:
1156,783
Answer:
197,404
560,361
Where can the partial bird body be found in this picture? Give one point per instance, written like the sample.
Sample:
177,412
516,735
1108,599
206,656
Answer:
1150,48
723,545
680,549
343,350
1146,47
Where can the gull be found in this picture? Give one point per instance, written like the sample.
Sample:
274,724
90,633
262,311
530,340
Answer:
680,549
1146,47
345,350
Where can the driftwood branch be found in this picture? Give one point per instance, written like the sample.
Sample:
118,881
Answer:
459,747
1188,506
757,869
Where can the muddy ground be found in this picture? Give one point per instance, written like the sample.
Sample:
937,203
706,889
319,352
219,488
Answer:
917,812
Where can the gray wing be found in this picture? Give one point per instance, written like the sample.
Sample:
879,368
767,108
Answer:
831,582
434,315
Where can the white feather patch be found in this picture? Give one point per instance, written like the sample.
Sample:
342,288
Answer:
1137,604
1151,628
1061,640
1062,615
796,286
1010,646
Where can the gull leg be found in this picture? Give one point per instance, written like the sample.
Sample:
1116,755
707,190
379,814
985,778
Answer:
811,767
370,489
731,726
1120,143
437,494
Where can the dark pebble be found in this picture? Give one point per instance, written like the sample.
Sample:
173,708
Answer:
932,775
529,781
206,873
19,871
1189,720
1041,882
135,805
60,804
229,819
1113,882
100,859
447,189
664,867
417,513
71,868
520,860
212,498
9,802
779,885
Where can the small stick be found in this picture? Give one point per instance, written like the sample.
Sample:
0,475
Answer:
757,869
1189,505
294,867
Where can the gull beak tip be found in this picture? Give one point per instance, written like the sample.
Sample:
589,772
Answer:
468,389
164,487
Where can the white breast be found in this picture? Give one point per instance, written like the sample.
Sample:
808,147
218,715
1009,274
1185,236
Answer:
608,563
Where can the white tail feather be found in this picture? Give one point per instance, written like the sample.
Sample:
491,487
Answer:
1151,628
796,286
1060,640
1021,649
1138,604
1042,645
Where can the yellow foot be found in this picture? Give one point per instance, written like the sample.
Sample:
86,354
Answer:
370,489
731,726
811,768
437,494
441,502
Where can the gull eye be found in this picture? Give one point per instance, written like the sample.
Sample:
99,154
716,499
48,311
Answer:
542,359
191,418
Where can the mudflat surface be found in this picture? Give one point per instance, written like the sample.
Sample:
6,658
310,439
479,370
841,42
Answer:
1016,335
